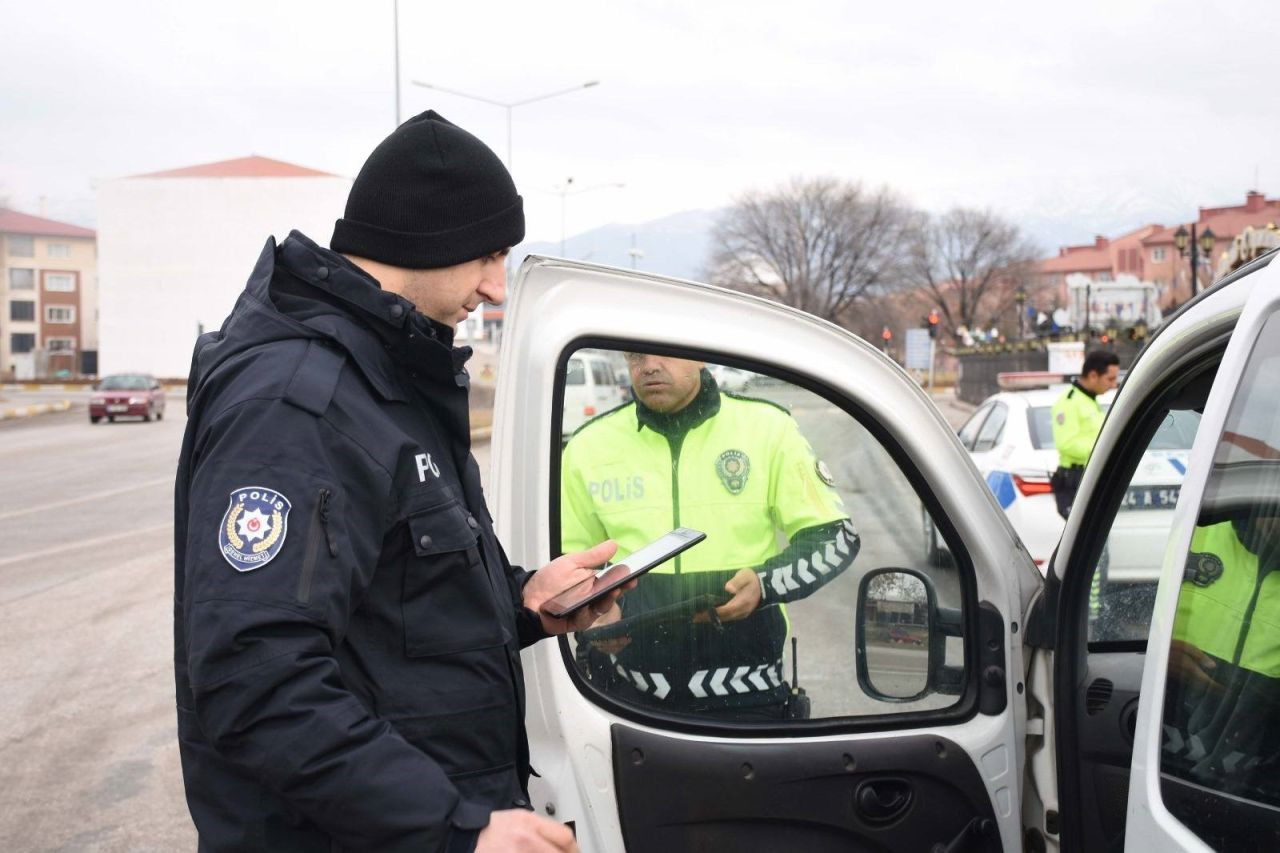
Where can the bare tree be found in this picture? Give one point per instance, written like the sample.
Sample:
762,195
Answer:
820,245
971,265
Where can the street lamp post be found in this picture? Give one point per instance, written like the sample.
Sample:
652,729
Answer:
1020,299
1182,240
568,190
509,106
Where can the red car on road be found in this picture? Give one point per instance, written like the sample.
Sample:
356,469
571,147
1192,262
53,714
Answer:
135,395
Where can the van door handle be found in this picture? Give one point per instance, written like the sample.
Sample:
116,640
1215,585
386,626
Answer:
883,800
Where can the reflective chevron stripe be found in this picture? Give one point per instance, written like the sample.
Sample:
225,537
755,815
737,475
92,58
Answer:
779,583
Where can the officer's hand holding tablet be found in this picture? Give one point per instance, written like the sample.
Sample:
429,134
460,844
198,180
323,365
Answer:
580,603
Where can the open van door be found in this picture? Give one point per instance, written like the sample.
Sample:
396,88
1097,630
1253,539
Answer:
904,720
1166,715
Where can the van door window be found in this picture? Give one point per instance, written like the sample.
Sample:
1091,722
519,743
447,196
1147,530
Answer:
756,624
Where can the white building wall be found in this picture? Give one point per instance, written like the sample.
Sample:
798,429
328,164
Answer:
174,253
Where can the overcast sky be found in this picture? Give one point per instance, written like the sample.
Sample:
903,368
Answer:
1093,112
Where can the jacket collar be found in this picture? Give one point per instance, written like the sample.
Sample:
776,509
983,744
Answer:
671,424
1083,390
377,328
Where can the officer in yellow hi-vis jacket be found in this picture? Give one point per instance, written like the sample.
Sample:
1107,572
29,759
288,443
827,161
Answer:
683,453
1223,689
1077,420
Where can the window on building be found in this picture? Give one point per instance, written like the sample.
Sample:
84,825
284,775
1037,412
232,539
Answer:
22,310
60,282
21,246
60,344
21,342
1157,255
22,279
59,314
1105,275
59,250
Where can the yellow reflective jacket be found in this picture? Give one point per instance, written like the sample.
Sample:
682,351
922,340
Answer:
1224,608
1077,420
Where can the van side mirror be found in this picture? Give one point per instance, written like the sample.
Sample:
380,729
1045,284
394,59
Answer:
900,641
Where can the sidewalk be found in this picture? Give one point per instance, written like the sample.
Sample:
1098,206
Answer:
33,409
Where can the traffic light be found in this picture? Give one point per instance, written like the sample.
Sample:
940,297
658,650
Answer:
886,335
932,321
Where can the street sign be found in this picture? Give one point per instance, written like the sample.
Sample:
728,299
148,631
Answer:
919,352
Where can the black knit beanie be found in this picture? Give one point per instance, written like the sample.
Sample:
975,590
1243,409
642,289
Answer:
430,195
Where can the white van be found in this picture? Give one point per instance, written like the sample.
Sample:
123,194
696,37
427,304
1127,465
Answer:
1012,725
591,387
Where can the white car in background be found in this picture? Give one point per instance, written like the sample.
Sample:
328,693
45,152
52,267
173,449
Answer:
1010,439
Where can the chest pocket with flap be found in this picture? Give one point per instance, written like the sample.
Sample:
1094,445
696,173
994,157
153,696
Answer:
447,601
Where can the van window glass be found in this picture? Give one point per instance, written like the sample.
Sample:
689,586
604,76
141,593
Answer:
576,374
799,501
1221,734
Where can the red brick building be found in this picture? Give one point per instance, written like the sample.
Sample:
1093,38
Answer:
1151,254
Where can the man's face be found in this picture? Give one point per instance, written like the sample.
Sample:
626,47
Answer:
448,294
662,383
1100,383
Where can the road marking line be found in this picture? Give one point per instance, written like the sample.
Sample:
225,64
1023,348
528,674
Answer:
85,543
92,497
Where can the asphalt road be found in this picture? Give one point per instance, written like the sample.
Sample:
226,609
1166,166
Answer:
88,758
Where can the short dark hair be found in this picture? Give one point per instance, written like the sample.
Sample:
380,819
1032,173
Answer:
1098,361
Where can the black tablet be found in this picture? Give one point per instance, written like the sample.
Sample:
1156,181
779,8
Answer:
637,563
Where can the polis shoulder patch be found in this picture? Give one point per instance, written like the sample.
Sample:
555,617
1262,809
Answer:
732,467
254,527
1062,418
824,473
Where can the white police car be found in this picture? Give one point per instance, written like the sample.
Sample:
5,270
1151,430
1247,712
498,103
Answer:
1010,440
1012,725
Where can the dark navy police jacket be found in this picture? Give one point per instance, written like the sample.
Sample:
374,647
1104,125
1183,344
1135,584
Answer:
346,626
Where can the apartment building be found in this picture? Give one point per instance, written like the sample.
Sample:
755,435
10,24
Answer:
49,284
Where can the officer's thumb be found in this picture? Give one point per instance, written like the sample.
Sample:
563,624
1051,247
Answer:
597,554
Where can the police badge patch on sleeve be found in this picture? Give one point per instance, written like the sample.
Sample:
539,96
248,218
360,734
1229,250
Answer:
253,529
824,473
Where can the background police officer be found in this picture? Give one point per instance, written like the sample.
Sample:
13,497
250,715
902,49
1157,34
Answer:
684,453
1077,420
347,628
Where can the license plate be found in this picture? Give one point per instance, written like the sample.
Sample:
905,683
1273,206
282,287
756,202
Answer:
117,407
1151,497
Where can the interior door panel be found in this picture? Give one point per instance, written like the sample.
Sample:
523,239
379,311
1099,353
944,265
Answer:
897,794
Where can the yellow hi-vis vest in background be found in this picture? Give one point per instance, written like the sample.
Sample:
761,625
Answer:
1077,420
1220,584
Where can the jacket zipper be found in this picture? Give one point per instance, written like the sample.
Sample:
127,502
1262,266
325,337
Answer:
319,530
675,444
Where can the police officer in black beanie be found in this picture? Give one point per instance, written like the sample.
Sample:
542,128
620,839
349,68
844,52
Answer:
347,628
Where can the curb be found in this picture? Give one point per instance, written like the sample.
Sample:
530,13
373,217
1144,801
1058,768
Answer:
47,386
35,409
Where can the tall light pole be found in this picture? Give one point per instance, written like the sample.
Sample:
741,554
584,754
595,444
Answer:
567,190
395,10
509,106
1204,244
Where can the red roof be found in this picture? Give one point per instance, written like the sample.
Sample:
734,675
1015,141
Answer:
1227,222
1077,259
242,167
13,222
